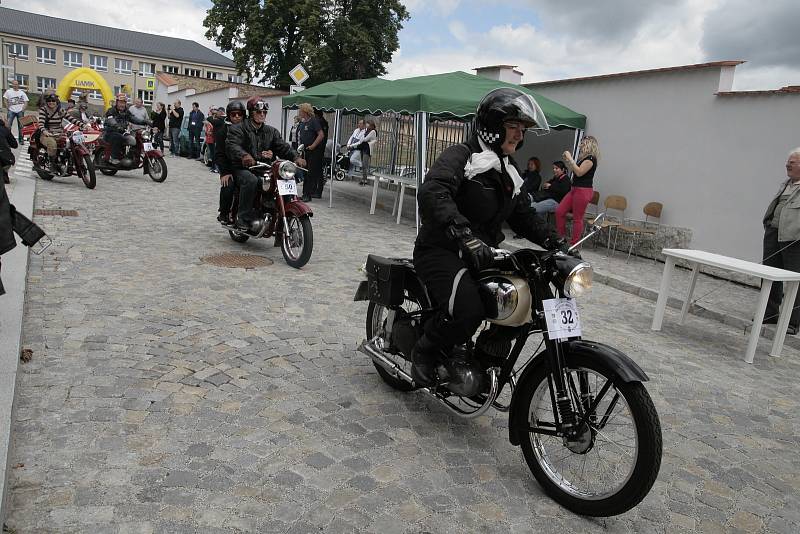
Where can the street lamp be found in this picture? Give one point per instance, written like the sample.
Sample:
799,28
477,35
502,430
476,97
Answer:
135,74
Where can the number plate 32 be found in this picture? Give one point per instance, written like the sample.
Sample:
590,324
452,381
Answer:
287,187
562,318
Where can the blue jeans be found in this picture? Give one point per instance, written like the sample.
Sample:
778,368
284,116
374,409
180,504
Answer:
175,141
10,118
547,205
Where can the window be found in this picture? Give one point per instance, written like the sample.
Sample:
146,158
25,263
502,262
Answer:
99,63
234,78
213,75
43,84
192,72
123,66
147,70
73,59
146,96
46,55
18,49
23,80
170,69
95,95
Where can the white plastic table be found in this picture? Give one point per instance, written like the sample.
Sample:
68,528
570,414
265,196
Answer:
767,275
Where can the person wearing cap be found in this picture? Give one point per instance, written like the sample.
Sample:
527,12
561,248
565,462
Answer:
117,119
51,118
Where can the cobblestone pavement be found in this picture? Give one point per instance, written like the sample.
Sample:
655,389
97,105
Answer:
168,395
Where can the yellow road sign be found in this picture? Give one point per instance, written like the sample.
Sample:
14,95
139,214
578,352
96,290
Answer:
150,84
298,74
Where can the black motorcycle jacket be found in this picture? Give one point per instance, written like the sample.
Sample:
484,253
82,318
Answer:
446,198
121,119
244,138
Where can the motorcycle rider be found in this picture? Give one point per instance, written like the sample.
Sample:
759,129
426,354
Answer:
117,119
79,112
50,129
235,112
470,190
248,142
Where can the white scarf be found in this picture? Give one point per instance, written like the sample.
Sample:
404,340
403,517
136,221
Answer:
480,162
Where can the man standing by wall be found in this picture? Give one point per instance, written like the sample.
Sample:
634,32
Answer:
15,100
175,123
195,126
782,239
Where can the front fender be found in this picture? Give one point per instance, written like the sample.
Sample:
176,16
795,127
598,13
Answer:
617,363
297,208
155,153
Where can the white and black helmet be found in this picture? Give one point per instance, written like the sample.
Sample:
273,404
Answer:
503,105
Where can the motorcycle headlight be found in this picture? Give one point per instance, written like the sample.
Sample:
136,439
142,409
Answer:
579,280
145,136
287,170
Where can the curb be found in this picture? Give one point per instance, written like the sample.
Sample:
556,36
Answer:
15,270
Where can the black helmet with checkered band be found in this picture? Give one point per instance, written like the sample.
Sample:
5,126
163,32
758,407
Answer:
507,104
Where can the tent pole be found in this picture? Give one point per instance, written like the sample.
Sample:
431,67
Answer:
284,119
421,123
337,122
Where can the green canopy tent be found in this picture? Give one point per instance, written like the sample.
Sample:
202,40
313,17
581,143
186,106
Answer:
453,95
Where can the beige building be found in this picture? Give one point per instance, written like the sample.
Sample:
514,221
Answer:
39,51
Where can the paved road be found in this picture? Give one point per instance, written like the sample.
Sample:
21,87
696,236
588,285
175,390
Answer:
168,395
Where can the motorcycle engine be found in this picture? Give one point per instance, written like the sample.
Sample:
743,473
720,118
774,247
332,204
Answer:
462,374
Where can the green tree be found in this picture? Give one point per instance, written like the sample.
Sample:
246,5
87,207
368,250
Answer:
333,39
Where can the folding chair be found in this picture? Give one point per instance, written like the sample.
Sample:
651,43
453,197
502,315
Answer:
615,206
649,227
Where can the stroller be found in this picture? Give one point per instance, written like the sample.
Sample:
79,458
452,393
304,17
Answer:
341,164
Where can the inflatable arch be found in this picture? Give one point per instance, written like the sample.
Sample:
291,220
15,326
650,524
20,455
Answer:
85,79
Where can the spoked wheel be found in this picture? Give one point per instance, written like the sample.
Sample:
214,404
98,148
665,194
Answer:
44,175
239,237
98,164
340,174
84,166
157,169
377,314
298,245
610,466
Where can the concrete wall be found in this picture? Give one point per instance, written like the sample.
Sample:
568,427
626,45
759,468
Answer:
713,161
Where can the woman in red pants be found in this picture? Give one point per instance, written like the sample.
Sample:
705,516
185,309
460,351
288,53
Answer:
581,193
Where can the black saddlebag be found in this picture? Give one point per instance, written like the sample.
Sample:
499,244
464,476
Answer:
386,277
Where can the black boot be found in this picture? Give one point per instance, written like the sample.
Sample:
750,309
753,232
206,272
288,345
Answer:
425,357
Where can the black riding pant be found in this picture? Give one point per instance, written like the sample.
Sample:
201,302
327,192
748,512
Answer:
115,139
247,182
789,259
450,284
226,196
314,160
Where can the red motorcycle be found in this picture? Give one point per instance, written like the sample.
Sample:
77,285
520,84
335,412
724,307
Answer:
280,213
73,156
138,152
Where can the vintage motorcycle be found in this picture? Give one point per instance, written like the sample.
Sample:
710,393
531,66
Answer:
73,155
138,152
588,429
280,213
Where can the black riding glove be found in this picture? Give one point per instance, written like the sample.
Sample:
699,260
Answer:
475,253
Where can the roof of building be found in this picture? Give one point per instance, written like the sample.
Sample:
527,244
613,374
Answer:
640,72
34,26
204,85
789,89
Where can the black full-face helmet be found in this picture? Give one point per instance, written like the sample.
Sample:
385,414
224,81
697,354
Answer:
235,105
507,104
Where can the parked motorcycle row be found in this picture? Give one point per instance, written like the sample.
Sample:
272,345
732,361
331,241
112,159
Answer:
84,152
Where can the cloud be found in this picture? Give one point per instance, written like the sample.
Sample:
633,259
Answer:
439,7
765,34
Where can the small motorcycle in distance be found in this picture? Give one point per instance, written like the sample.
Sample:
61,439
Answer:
73,155
588,429
280,212
138,152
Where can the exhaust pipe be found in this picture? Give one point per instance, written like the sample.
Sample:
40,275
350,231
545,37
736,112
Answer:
368,348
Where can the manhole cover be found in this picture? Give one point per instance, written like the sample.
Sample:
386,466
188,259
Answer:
244,261
59,213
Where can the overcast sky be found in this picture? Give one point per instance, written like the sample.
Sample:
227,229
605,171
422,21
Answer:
547,39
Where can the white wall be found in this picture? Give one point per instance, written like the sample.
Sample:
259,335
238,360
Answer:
218,98
713,161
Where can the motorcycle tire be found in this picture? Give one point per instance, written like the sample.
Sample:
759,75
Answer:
85,169
238,237
544,453
157,169
376,316
44,175
108,172
297,256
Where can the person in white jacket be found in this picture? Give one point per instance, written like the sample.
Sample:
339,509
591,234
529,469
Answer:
353,142
366,146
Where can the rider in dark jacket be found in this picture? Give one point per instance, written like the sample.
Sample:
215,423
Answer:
249,142
235,111
115,127
470,190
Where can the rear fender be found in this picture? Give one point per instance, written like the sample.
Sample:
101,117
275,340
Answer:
617,363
